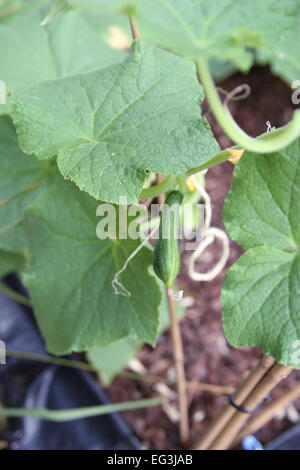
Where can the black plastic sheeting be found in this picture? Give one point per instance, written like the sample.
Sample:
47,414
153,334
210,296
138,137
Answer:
31,384
289,440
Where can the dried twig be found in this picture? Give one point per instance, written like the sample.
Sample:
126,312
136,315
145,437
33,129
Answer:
192,384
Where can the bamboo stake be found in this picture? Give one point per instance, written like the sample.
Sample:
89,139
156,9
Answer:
268,413
179,366
246,387
277,373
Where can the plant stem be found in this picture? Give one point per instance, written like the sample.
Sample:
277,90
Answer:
80,413
179,366
60,361
170,181
277,373
219,158
278,141
134,29
181,179
224,155
15,295
269,412
228,411
160,188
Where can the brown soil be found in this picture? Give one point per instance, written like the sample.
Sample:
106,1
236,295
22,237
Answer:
208,356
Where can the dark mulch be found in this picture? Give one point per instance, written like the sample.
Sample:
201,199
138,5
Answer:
208,356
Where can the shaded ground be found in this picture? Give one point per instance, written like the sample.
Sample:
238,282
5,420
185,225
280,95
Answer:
208,357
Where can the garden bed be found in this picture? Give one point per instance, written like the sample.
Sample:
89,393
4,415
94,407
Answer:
114,120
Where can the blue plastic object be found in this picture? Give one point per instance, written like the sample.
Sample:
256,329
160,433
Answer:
251,443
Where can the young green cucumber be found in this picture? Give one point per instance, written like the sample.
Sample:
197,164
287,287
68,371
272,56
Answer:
166,255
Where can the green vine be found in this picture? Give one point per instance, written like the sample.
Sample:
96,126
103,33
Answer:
270,144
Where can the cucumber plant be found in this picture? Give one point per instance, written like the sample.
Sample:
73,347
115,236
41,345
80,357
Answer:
166,256
85,123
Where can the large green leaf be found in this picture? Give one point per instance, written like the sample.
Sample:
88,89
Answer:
102,5
101,15
22,179
223,29
111,125
111,359
261,293
31,53
71,271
